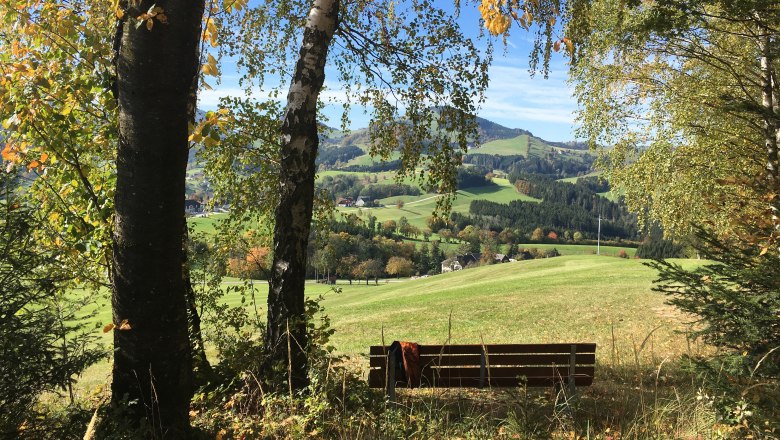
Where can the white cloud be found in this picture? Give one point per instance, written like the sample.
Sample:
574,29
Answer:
544,106
514,98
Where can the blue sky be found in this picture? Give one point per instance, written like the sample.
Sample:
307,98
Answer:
514,99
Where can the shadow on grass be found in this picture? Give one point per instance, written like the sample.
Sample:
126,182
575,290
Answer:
624,402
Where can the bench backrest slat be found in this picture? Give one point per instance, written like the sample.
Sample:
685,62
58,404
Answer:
495,359
376,350
502,365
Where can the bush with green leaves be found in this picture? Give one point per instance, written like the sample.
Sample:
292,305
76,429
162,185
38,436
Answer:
44,343
736,304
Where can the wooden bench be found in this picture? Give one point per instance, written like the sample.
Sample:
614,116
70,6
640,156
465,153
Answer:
497,365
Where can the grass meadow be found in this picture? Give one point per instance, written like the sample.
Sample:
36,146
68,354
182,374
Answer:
640,391
577,298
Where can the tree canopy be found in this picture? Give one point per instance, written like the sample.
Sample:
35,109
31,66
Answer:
676,93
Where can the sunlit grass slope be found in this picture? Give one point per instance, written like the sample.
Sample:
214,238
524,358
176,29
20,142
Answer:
504,147
563,299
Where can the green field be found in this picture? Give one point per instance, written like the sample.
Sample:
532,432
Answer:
564,299
417,208
384,177
569,298
579,249
367,159
505,147
524,145
575,179
207,225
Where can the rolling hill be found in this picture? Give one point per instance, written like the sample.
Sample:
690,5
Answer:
501,148
495,139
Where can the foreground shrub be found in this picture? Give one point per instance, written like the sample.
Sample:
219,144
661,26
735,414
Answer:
43,342
736,301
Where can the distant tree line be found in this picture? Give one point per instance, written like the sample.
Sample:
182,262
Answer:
334,155
470,177
369,255
526,216
564,206
555,166
376,167
345,185
656,247
381,191
583,193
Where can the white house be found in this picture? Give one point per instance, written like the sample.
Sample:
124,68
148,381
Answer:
450,265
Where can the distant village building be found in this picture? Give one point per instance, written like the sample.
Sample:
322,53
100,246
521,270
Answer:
360,202
450,265
461,262
192,206
471,258
344,202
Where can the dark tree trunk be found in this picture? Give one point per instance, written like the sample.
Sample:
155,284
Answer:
293,214
152,358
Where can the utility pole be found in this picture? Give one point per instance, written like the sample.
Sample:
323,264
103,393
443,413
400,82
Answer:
598,238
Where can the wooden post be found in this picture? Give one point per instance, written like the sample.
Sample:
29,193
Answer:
390,376
482,367
572,365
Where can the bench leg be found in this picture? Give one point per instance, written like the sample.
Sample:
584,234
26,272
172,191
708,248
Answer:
572,366
390,377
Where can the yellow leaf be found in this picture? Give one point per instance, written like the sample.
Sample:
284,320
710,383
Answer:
557,46
44,156
763,251
108,327
125,325
209,69
10,121
66,109
210,142
149,24
569,45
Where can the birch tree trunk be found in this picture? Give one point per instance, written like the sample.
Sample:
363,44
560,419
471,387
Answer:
152,358
286,305
771,114
768,94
